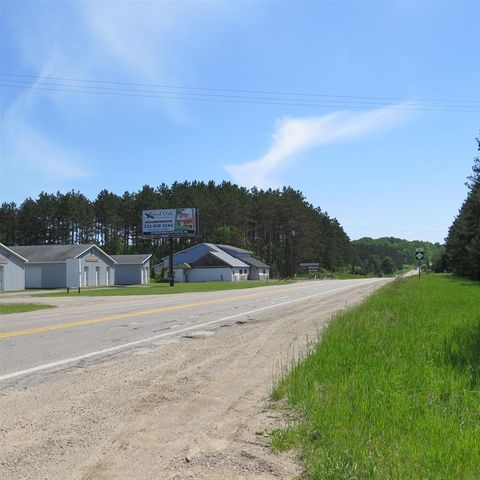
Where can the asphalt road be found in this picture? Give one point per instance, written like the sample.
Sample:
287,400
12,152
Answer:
87,329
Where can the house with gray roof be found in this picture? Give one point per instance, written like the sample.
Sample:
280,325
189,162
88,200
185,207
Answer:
60,266
207,262
258,270
132,269
12,269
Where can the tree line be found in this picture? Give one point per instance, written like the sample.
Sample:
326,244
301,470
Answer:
278,225
462,247
386,255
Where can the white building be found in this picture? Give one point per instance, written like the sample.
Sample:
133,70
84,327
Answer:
48,266
208,262
12,269
132,269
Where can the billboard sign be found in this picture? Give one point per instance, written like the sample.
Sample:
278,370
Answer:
170,222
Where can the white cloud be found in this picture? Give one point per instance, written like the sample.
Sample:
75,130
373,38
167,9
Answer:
295,135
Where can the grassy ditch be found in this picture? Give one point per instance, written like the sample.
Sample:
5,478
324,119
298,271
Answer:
393,389
22,307
164,288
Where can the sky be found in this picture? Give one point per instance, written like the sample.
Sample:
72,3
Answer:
370,108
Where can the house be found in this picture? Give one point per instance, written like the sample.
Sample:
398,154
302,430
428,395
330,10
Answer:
59,266
208,262
258,270
132,269
12,269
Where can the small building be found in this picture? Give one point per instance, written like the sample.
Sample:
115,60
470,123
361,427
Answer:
207,262
12,269
49,266
132,269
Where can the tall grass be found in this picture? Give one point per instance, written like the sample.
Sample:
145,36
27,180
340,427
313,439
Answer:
392,391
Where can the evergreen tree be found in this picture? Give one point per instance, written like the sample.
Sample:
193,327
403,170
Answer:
462,247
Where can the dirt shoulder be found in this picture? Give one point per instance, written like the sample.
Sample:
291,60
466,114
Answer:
190,409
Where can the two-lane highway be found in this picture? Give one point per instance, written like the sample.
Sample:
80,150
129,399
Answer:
82,328
108,388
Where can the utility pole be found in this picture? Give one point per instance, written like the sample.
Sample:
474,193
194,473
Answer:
170,263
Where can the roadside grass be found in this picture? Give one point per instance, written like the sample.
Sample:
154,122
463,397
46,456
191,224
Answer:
22,307
164,288
392,391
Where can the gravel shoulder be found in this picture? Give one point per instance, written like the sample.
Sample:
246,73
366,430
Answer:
196,408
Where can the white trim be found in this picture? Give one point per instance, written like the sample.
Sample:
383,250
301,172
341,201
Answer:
15,253
97,248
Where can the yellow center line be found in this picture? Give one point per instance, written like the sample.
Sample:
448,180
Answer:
80,323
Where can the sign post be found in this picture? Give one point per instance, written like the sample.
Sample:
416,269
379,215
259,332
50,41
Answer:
170,263
419,254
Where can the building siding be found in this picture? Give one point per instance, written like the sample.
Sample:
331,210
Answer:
13,271
89,277
132,274
212,274
54,275
128,274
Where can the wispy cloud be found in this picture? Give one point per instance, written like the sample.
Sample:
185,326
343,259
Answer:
150,43
296,135
41,155
27,148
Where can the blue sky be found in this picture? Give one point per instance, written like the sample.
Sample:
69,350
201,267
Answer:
374,134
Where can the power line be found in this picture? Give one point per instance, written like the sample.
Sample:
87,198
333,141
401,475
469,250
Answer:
253,92
234,97
339,105
101,89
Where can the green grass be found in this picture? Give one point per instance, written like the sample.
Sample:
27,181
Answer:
392,391
164,288
22,307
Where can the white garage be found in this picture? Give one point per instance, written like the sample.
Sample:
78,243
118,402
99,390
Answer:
132,269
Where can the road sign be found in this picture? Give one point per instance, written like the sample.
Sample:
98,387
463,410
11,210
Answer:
419,254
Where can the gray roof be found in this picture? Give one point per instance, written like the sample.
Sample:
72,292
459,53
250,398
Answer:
9,249
52,253
253,262
232,249
228,259
182,266
139,259
194,253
